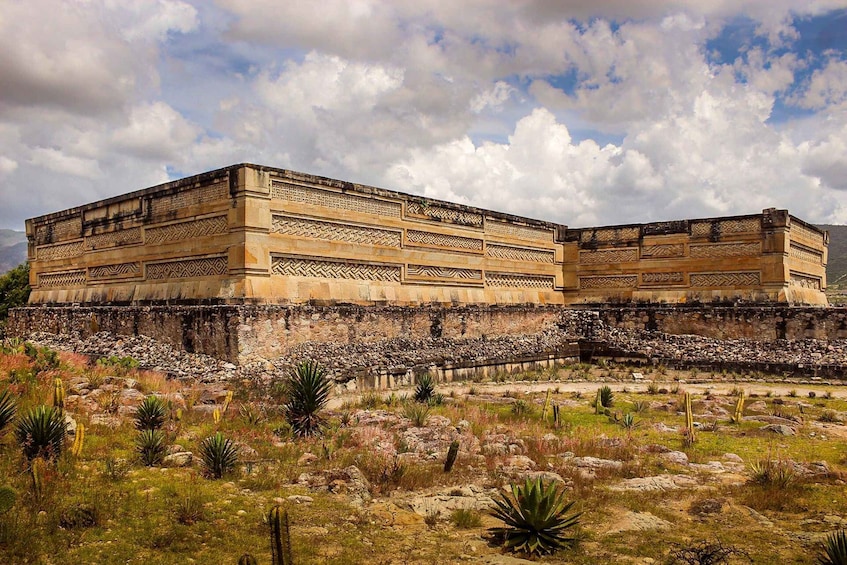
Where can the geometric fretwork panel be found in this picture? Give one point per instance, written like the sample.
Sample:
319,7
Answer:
747,278
188,268
308,267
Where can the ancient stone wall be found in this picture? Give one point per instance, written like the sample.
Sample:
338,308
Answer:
258,235
761,323
768,257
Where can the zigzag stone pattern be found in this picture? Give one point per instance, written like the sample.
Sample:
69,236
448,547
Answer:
186,230
746,278
610,234
68,278
662,278
618,281
113,238
445,214
335,231
305,195
804,281
61,251
741,225
115,271
59,231
204,194
443,240
188,268
520,253
442,272
662,251
307,267
510,280
804,254
604,256
725,250
523,232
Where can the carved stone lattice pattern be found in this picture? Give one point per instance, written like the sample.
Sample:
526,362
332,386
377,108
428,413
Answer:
604,256
317,197
610,234
804,281
186,230
748,278
442,272
115,271
740,225
662,251
113,238
514,230
520,253
188,268
518,280
204,194
445,214
725,250
443,240
334,231
622,281
306,267
806,235
68,278
59,231
805,254
61,251
662,278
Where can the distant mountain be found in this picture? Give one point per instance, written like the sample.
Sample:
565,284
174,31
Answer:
836,266
12,249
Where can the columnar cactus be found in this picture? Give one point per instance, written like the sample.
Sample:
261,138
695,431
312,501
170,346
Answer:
739,409
79,438
58,393
546,406
280,536
689,419
451,456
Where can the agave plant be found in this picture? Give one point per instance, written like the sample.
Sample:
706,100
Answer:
220,456
41,432
424,389
8,407
308,390
536,518
607,397
150,414
150,445
834,549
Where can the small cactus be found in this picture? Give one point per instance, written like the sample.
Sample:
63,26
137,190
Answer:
451,456
556,415
280,536
37,470
691,437
247,559
546,406
227,401
8,497
739,409
598,406
58,393
216,416
79,439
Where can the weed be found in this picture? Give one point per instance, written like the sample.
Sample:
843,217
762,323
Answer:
792,393
431,519
370,400
521,408
829,416
707,553
189,508
652,388
417,413
115,469
466,518
773,474
640,406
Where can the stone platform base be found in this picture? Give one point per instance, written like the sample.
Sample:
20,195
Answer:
245,333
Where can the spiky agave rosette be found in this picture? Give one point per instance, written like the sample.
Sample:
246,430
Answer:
536,518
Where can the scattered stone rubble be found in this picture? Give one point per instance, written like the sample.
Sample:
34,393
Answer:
345,362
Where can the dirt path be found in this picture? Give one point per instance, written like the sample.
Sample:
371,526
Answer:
590,386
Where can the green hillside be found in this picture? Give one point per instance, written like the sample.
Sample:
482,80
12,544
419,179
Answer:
836,268
12,249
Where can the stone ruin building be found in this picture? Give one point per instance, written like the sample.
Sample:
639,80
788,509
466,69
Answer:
244,261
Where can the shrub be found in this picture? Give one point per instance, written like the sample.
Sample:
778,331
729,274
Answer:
828,416
834,549
308,390
150,445
41,432
189,508
707,553
8,407
521,408
14,290
417,413
607,397
812,394
466,518
424,389
219,455
771,473
536,518
79,516
150,414
371,400
652,388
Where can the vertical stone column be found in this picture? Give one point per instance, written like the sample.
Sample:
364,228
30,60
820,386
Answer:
250,223
775,243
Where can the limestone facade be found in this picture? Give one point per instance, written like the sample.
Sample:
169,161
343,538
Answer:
259,235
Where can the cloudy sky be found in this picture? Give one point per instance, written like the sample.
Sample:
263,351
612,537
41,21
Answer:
575,111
